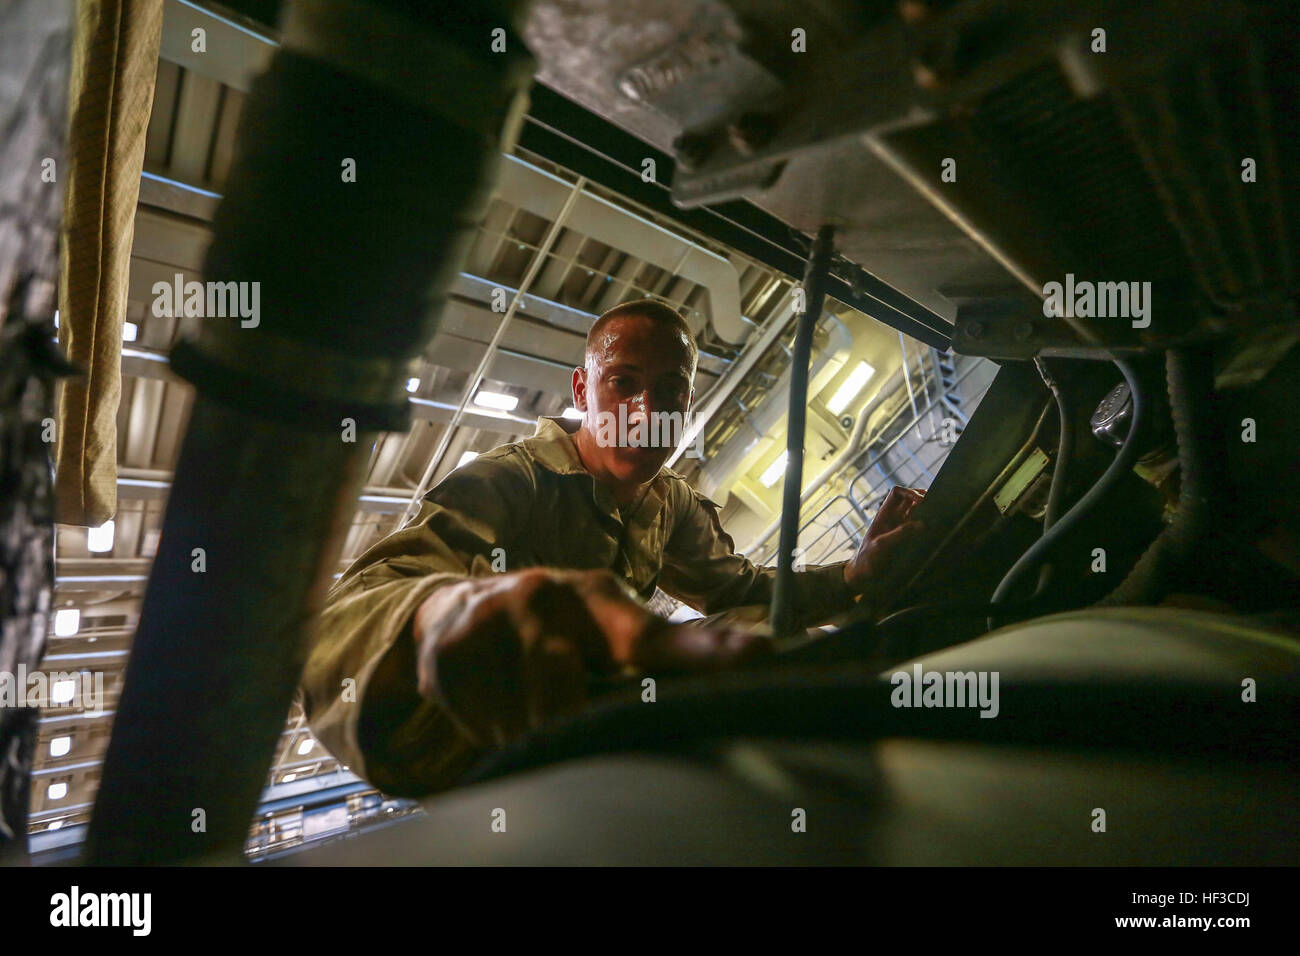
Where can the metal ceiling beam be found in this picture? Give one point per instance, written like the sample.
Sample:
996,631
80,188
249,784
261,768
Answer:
533,356
195,125
331,784
234,54
543,194
168,240
100,582
152,364
130,486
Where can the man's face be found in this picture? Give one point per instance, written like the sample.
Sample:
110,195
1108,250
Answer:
646,367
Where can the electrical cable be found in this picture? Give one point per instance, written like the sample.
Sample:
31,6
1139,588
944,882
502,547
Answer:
1064,450
1123,462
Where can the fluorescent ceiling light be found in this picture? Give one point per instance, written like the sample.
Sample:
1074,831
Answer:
304,746
851,387
57,791
129,331
289,778
573,413
100,539
412,384
57,824
62,691
498,400
467,457
66,621
60,746
775,470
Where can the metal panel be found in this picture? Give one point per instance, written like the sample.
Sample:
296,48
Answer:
195,116
223,146
157,141
234,54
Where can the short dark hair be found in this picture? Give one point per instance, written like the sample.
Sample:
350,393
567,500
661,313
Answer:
658,312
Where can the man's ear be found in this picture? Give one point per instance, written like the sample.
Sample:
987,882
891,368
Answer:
580,389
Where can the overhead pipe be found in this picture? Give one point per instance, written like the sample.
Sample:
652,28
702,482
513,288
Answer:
731,379
543,194
718,472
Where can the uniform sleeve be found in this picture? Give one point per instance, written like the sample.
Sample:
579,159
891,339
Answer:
359,682
701,568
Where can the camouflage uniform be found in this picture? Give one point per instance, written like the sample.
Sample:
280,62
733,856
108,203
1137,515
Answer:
525,504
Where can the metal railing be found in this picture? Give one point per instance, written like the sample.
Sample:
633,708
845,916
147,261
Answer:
928,391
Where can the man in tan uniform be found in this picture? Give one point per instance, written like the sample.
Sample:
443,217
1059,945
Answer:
525,572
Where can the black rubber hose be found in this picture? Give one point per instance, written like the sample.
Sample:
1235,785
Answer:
1123,462
1190,381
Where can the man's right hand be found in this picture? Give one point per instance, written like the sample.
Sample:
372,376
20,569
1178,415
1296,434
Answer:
504,654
